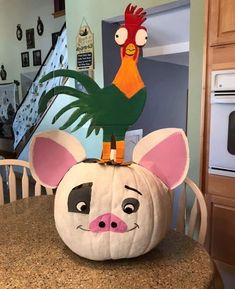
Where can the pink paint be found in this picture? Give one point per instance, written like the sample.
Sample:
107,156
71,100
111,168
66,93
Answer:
51,161
108,222
167,160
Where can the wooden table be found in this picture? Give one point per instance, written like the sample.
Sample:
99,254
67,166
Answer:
32,255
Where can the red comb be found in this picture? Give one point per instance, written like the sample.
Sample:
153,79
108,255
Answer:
133,16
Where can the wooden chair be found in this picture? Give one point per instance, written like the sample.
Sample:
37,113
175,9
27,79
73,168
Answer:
193,222
15,174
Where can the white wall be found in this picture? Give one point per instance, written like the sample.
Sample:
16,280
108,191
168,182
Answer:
25,13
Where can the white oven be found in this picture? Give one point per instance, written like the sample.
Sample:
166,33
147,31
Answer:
222,129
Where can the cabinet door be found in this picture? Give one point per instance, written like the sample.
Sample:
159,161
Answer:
222,22
222,228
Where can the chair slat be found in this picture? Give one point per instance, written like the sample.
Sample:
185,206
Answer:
25,184
49,191
1,191
12,184
37,189
181,215
11,180
193,219
203,209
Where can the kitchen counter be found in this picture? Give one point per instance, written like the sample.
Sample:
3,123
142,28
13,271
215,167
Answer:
32,255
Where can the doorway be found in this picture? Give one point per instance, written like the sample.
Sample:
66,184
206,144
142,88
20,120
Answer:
163,65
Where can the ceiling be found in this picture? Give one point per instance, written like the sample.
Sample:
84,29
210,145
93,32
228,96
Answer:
168,32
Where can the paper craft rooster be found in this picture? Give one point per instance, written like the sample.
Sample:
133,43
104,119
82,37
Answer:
113,108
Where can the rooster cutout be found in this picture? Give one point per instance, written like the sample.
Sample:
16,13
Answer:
115,107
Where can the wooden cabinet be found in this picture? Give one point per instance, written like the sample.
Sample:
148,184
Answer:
219,190
222,22
223,57
222,228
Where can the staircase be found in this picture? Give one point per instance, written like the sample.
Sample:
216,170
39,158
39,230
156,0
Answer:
27,119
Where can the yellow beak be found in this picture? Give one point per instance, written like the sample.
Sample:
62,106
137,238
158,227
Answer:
130,49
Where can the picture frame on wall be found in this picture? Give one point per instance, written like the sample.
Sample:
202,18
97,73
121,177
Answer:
54,38
37,58
30,40
25,59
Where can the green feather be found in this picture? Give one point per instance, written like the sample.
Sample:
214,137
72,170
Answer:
90,85
64,109
91,128
47,96
84,119
74,116
97,130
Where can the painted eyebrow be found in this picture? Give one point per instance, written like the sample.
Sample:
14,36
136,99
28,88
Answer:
133,189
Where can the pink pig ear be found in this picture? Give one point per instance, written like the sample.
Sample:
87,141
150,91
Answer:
52,154
165,153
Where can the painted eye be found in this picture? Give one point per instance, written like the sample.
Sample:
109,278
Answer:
130,205
121,36
79,199
141,37
82,207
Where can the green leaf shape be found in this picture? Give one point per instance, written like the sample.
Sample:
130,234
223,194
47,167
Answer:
84,119
64,109
97,130
90,130
92,127
90,85
74,116
47,96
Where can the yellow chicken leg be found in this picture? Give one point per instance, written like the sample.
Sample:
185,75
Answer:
106,151
120,145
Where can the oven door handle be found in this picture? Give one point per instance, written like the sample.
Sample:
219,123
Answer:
225,100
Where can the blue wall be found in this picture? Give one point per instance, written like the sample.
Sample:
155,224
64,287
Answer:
92,144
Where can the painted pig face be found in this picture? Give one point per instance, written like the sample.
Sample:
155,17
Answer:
111,212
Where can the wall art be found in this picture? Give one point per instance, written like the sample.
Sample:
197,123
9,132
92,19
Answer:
30,40
85,47
37,57
40,27
19,32
25,59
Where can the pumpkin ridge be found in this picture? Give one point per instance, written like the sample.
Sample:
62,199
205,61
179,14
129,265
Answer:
133,172
112,192
146,249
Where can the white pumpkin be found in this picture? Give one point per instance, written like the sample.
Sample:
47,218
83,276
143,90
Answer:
111,212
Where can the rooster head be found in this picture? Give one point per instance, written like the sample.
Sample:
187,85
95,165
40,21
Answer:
132,35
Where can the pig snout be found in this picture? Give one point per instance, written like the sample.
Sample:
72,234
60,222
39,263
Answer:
108,222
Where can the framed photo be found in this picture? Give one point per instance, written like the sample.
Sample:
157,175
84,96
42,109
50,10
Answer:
25,59
30,40
54,37
37,57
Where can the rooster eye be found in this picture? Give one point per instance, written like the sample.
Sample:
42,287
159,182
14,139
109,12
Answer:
141,37
121,36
